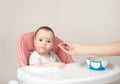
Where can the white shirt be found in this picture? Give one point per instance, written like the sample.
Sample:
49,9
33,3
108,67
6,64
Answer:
35,58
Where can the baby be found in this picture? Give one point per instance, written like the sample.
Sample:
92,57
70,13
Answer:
43,42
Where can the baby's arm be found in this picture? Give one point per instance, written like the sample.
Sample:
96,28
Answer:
59,64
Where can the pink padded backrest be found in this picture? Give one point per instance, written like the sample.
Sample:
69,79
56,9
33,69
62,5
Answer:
25,47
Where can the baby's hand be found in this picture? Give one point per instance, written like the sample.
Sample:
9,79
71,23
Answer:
59,64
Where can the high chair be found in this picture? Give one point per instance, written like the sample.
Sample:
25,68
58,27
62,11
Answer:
74,73
25,47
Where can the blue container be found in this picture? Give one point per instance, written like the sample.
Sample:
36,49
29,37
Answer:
96,65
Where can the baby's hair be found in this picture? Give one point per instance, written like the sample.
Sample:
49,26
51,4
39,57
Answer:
45,28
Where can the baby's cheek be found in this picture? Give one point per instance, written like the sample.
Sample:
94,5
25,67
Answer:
37,46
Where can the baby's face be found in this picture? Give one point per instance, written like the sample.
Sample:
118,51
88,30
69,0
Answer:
44,41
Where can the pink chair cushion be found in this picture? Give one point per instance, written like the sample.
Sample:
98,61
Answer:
25,47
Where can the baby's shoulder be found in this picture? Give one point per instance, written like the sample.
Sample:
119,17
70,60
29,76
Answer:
34,54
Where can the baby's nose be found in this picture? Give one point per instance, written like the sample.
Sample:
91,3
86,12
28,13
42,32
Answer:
44,43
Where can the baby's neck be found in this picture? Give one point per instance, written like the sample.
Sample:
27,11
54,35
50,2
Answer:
45,54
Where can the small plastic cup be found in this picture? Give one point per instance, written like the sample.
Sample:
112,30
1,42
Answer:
96,63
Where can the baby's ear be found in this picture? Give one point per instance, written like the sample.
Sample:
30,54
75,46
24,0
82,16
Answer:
34,41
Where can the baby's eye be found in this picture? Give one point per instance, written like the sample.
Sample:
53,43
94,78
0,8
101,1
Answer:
40,40
48,41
